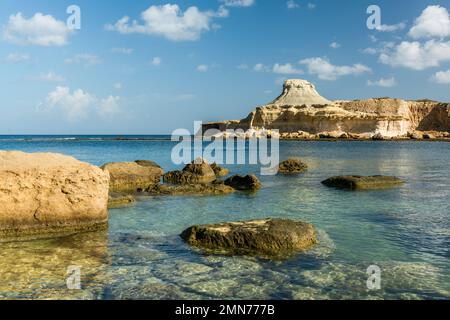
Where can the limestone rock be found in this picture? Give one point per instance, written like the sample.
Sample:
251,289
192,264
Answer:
292,166
132,176
360,182
273,237
46,193
247,183
299,92
199,171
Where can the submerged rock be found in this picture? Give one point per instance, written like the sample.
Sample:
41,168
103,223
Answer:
199,171
241,183
361,182
118,200
191,189
132,176
271,237
48,193
292,166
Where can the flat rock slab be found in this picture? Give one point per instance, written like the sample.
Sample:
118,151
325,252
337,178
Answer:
212,189
363,182
269,237
292,166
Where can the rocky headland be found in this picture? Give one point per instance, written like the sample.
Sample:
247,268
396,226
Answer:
301,113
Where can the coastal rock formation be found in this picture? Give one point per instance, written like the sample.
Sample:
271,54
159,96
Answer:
46,193
360,182
211,189
248,183
199,171
133,176
301,109
292,166
219,171
273,237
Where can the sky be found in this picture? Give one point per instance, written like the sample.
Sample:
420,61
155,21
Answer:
150,67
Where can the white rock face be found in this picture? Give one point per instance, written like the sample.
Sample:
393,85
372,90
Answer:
298,93
47,193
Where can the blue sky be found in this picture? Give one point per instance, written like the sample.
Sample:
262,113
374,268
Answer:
206,59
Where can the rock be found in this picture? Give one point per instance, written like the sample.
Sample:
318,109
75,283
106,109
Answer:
45,193
428,136
118,200
247,183
360,182
199,171
415,135
219,171
131,176
301,108
272,237
212,189
292,166
147,163
379,137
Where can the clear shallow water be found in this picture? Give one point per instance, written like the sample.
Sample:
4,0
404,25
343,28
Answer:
405,231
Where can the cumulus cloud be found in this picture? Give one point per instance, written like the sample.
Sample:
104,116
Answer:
170,22
77,104
85,59
286,69
385,83
324,70
291,4
391,27
335,45
442,77
238,3
41,30
417,56
16,58
433,22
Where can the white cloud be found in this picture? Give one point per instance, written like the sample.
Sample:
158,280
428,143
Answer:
370,51
391,27
118,85
242,67
286,69
442,77
417,56
238,3
156,61
335,45
75,105
51,77
16,58
42,30
259,67
123,50
327,71
202,68
109,106
85,59
291,4
385,83
433,22
171,22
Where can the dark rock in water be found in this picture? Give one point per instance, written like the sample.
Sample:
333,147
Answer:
247,183
147,163
360,182
191,189
131,176
199,171
116,200
292,166
219,171
269,237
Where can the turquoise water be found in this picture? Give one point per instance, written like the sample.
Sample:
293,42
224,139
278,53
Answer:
404,231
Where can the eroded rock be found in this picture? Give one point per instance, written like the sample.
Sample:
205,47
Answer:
244,183
292,166
363,182
197,172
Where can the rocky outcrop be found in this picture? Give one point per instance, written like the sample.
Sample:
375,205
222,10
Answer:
248,183
199,171
360,182
301,109
292,166
272,237
219,171
44,193
133,176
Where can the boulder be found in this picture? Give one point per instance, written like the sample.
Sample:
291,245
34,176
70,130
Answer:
133,176
45,194
360,182
241,183
271,237
197,172
292,166
219,171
